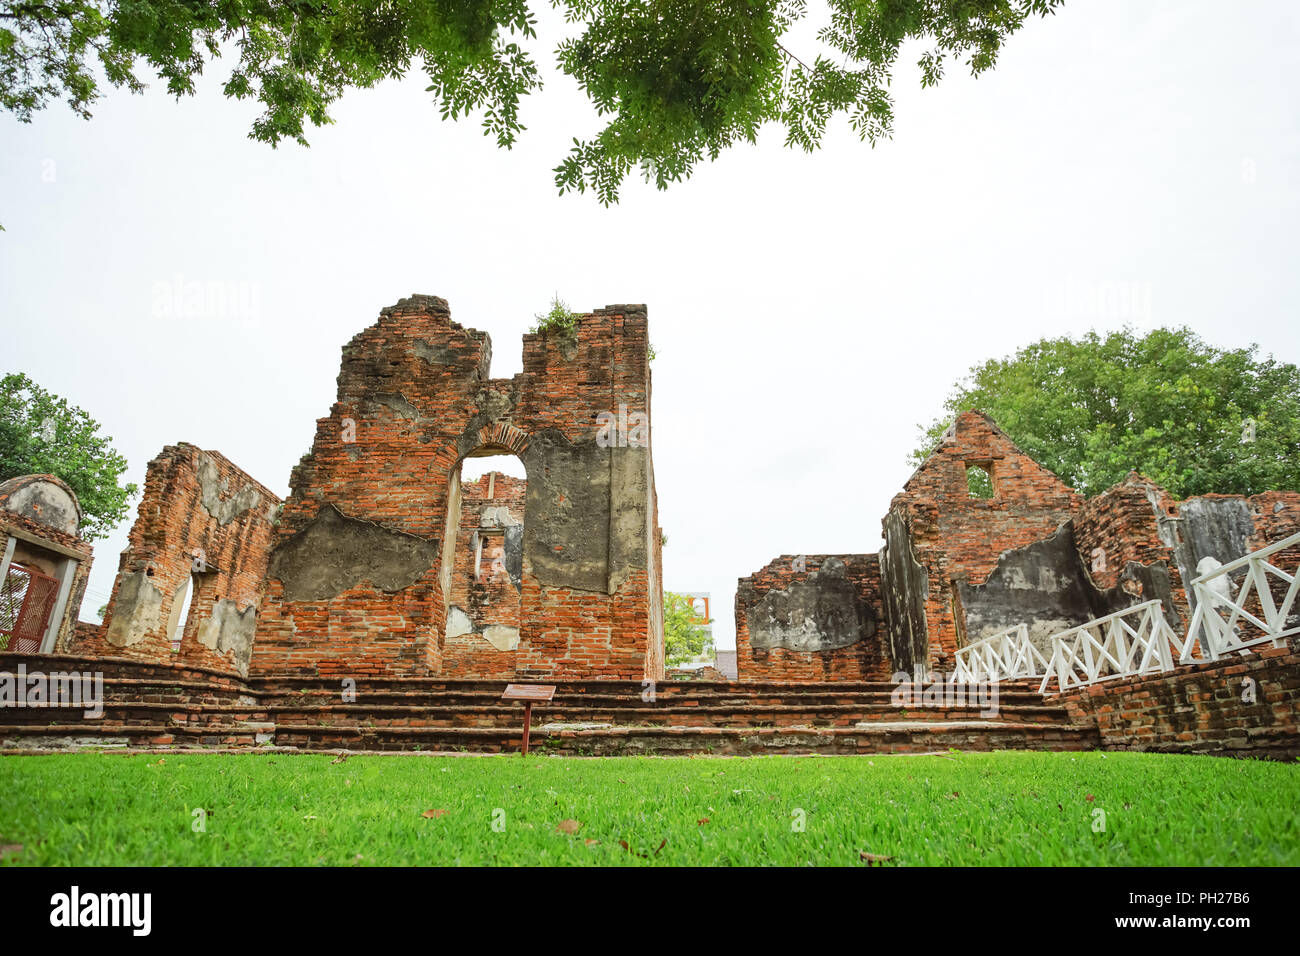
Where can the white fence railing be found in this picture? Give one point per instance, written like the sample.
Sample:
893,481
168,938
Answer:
1136,640
1222,623
1004,656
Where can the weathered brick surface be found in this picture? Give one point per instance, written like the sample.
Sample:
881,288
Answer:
864,660
415,389
1245,705
1122,524
954,535
199,515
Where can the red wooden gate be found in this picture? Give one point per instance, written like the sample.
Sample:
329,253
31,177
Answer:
26,598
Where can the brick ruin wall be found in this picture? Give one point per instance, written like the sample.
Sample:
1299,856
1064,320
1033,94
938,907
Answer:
958,539
812,618
1241,705
202,523
956,568
360,582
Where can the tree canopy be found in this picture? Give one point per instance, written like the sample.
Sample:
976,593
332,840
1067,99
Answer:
684,635
42,434
1194,418
676,80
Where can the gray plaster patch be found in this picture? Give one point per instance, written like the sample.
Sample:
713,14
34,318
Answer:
230,630
501,637
820,613
1045,586
47,504
904,585
397,403
434,353
458,622
215,494
566,533
334,553
136,611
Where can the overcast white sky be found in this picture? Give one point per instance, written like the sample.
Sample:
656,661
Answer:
1125,161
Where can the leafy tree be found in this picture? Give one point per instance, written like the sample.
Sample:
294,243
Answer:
1189,416
684,635
41,433
678,79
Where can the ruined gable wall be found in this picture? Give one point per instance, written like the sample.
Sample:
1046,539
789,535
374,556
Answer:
198,512
958,538
416,387
812,618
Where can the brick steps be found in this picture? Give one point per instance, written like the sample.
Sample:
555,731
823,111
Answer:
85,736
741,716
159,707
889,737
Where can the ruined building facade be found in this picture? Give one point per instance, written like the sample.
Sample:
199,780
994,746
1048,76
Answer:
957,567
381,563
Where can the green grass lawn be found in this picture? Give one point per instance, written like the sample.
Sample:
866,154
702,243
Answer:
962,809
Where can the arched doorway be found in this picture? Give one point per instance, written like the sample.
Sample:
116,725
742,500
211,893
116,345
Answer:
482,564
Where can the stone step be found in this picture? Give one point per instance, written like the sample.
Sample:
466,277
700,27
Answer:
924,737
167,713
19,738
464,699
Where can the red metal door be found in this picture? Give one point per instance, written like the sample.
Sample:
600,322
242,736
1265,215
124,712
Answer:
26,598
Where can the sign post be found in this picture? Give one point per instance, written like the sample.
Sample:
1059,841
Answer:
529,694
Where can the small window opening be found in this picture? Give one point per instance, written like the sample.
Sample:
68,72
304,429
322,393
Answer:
979,480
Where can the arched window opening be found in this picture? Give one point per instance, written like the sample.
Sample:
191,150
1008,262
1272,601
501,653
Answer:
483,564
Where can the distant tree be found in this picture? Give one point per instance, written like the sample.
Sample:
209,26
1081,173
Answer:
1194,418
684,635
42,434
678,79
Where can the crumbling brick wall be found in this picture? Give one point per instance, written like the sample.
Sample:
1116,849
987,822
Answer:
484,619
202,523
812,618
957,568
953,537
1238,706
360,582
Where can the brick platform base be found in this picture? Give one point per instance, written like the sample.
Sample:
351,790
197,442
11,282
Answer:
151,706
1244,705
1199,709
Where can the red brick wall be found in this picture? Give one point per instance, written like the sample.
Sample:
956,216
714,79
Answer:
864,661
173,525
954,534
1201,708
416,386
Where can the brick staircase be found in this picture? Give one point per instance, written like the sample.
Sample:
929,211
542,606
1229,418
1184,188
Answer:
156,706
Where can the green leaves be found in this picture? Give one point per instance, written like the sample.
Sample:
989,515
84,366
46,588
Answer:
684,635
41,433
1191,417
678,80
